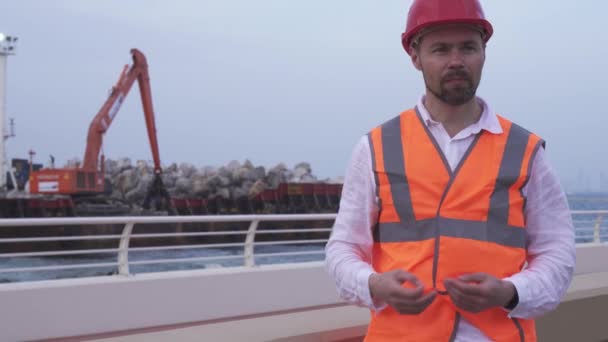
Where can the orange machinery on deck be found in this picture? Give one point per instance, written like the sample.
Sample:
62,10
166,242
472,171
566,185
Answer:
89,177
66,181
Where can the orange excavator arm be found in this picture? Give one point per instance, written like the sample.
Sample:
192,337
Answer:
102,121
157,195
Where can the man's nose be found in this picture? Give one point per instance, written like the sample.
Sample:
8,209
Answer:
456,60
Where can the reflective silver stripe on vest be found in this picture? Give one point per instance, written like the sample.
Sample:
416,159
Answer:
539,144
394,166
421,230
508,173
375,170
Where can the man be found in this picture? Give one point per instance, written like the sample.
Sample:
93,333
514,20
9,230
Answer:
452,224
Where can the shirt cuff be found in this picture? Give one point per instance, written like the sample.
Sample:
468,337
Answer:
521,286
364,293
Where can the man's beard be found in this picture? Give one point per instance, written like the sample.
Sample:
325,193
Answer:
458,95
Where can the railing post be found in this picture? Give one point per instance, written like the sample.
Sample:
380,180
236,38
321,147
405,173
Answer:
250,244
596,230
123,249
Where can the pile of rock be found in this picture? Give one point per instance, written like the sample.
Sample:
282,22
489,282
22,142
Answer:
233,181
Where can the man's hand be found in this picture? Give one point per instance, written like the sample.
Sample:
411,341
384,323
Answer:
389,287
479,291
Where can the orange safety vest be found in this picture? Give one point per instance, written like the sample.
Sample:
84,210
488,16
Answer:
438,223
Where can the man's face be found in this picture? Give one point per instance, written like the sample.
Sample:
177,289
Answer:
451,60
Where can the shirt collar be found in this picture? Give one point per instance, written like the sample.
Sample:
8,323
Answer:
488,120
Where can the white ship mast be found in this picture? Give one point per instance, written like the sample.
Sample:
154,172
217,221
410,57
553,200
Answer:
7,48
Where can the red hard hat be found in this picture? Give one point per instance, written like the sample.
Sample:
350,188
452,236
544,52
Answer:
424,13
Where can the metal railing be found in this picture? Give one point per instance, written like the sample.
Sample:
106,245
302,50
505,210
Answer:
590,228
123,262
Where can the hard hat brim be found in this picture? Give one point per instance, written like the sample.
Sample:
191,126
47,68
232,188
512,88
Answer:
484,27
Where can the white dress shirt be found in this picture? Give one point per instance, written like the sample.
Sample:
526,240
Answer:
549,229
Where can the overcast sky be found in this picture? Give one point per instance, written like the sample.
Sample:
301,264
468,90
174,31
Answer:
288,81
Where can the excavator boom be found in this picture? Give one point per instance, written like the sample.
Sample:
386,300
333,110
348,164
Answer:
102,121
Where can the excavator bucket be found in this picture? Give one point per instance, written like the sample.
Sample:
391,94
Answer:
157,197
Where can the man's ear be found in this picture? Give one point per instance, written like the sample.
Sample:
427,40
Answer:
415,56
